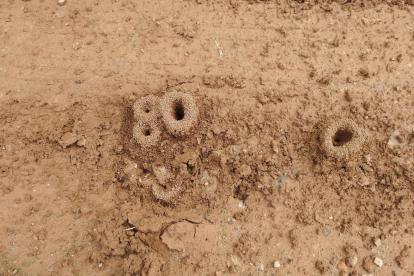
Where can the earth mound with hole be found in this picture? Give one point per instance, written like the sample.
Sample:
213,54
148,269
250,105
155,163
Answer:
206,137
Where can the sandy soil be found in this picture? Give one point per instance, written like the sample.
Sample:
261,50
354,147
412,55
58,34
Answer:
256,186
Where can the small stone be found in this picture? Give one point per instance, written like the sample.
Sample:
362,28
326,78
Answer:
326,231
219,273
286,256
275,147
405,252
276,264
100,265
377,242
68,139
366,275
354,261
15,271
365,20
378,262
348,96
61,2
263,99
201,264
342,266
81,142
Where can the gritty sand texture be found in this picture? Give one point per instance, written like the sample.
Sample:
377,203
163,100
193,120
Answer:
250,189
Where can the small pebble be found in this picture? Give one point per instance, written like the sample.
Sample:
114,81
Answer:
100,265
354,261
276,264
342,266
61,2
378,262
378,242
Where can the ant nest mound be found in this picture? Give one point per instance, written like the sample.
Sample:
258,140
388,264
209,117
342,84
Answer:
161,194
158,186
341,138
147,134
179,112
146,109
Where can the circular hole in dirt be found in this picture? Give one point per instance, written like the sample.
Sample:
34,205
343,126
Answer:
147,110
147,132
342,137
178,111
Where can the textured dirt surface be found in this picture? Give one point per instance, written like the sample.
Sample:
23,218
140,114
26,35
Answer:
257,194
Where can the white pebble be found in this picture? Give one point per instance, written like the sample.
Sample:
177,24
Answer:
61,2
378,242
276,264
378,262
354,261
100,265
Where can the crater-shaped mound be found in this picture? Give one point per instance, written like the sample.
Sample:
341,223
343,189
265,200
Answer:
147,134
179,112
341,138
146,109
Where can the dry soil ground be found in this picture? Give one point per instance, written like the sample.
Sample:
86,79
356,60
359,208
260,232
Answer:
258,195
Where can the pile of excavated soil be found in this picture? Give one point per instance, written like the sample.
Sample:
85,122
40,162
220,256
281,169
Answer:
288,149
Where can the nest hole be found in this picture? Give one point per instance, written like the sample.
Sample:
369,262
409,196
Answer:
178,111
147,110
341,137
147,132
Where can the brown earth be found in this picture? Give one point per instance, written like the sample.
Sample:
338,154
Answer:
257,194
